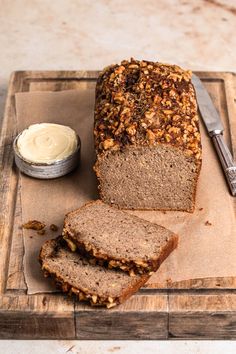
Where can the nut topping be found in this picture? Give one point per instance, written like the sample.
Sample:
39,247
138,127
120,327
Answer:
94,298
110,299
108,143
146,103
34,225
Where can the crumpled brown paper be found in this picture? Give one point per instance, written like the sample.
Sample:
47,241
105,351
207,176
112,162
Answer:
207,244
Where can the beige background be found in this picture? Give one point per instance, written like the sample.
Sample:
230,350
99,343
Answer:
76,34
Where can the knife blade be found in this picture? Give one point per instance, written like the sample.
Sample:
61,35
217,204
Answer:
208,111
212,121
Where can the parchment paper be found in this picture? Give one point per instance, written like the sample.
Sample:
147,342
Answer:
204,251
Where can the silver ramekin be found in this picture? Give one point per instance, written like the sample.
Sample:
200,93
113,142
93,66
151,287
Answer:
47,171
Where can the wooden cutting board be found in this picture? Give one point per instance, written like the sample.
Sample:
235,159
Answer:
203,308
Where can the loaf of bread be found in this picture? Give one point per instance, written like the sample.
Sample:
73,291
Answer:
117,238
147,136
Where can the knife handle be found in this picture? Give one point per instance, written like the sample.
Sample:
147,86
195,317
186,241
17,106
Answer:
227,163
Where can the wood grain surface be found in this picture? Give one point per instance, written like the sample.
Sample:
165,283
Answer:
197,308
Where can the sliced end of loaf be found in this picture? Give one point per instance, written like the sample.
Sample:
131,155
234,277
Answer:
160,177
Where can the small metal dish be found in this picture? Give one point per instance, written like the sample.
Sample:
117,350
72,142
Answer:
47,171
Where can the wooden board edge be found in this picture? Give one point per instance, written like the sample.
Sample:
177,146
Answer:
202,316
195,316
19,325
219,75
140,317
217,283
53,319
131,325
56,74
92,74
230,94
45,302
9,179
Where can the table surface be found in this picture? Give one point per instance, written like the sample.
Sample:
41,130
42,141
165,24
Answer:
84,34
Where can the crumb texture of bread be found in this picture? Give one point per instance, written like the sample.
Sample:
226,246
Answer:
74,274
147,136
122,240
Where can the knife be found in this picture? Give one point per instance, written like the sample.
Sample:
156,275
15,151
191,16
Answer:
212,121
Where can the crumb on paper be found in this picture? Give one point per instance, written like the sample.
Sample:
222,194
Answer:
41,232
34,225
70,349
208,223
200,209
53,227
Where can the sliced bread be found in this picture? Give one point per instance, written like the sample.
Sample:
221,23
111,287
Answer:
120,239
75,274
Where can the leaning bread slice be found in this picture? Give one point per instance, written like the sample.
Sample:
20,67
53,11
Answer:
74,274
120,239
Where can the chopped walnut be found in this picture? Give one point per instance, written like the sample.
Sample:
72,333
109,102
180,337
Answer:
131,130
34,225
146,103
151,136
94,298
108,143
208,223
53,227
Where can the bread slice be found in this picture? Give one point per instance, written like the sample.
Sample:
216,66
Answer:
120,239
147,136
74,274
